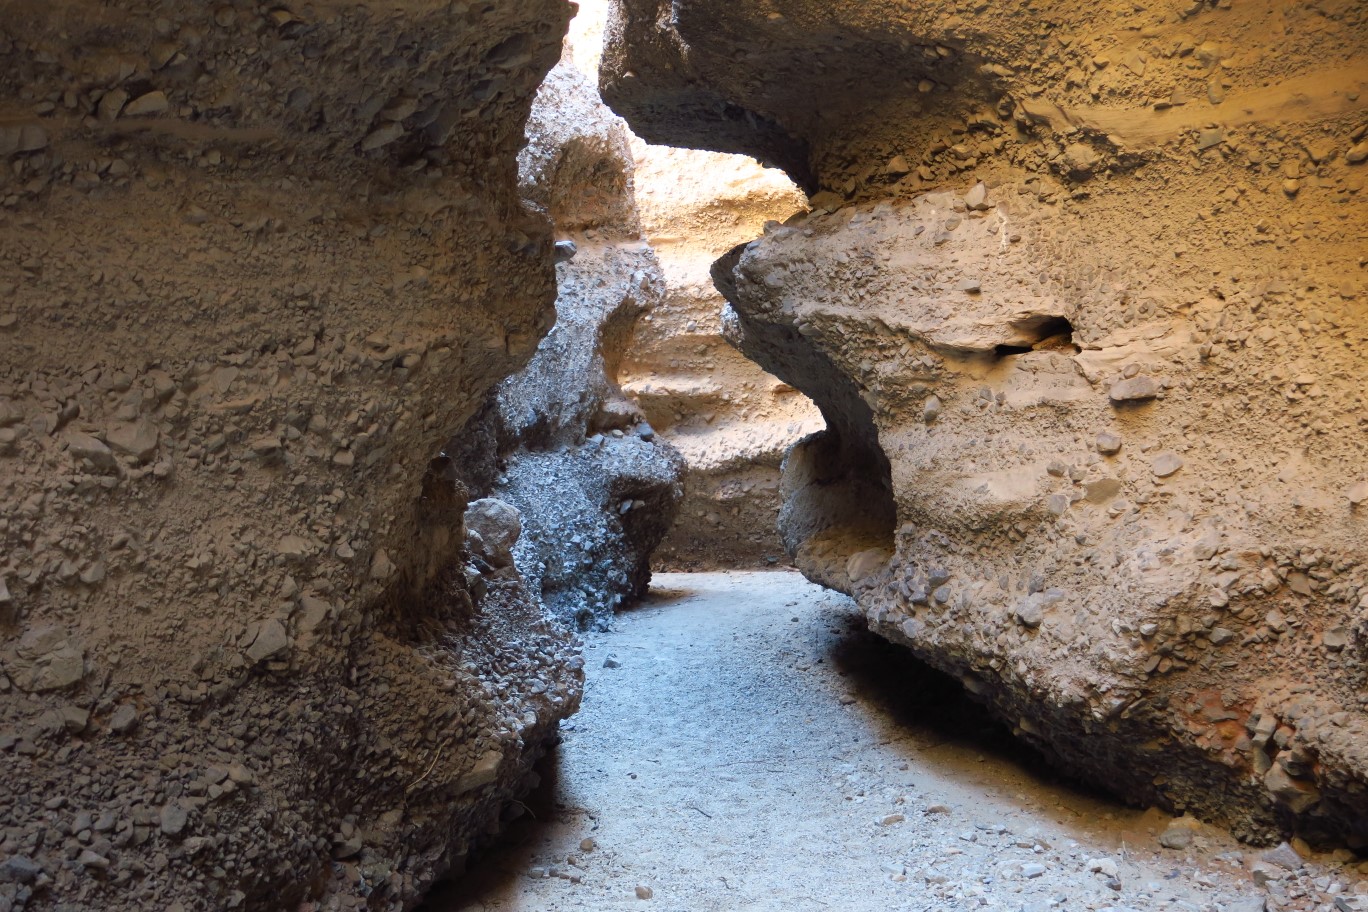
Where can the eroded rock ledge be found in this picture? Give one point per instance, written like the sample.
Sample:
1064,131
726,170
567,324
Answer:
1081,298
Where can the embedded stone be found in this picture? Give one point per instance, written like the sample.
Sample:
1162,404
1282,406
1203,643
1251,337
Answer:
1134,389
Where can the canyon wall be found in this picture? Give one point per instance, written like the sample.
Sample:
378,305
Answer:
1081,299
257,264
596,487
732,421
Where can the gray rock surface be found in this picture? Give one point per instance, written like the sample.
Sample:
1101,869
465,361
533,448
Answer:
497,526
595,489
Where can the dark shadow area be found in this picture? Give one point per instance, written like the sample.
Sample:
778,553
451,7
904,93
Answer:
932,707
656,597
508,855
1039,331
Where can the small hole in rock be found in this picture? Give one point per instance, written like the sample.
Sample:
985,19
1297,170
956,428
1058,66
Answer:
1039,332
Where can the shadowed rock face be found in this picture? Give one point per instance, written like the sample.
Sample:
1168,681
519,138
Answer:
797,84
559,440
1085,317
257,264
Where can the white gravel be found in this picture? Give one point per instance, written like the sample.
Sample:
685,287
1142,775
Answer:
756,749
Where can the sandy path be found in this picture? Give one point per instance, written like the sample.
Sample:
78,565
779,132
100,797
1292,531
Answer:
753,752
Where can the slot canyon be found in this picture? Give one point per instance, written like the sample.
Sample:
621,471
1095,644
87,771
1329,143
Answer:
696,455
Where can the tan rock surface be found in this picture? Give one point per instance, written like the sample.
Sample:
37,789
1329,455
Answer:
730,420
256,264
1090,366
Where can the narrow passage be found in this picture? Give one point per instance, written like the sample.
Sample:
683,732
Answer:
746,745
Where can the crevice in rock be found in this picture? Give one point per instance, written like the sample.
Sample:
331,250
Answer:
1039,332
1019,375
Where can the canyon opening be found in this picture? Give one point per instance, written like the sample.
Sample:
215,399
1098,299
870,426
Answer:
690,455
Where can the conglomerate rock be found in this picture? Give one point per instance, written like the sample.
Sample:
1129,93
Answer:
596,488
732,421
256,263
1081,299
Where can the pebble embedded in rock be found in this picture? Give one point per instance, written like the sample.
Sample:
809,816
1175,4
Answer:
977,197
150,103
644,892
1284,856
19,869
1176,836
75,719
1210,137
1336,638
89,859
1166,463
124,719
498,525
1101,490
1263,873
174,818
1134,389
137,439
271,640
382,136
1358,493
111,104
1082,159
1108,444
1030,613
84,446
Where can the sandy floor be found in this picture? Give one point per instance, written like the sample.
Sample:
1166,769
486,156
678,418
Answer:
756,749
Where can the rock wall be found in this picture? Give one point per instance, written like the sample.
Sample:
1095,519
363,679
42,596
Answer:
257,263
596,488
731,420
1081,299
